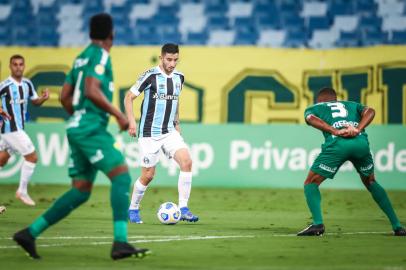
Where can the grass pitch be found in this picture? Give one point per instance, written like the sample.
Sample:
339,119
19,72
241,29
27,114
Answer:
238,229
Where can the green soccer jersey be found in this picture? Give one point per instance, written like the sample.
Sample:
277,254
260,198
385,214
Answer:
337,114
94,62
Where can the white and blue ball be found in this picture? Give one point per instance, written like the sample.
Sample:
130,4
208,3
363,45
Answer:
168,213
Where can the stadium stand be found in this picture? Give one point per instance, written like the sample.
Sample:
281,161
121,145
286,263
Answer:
279,23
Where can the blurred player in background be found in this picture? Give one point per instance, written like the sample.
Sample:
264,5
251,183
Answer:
87,95
343,124
14,93
159,129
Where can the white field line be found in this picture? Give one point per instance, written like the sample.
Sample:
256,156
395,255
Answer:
166,239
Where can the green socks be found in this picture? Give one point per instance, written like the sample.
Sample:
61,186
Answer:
60,209
381,198
313,198
120,186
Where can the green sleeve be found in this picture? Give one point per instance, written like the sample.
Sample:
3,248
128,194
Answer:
69,77
360,108
97,65
309,111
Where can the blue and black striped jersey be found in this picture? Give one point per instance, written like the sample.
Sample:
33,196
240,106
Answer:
161,99
14,100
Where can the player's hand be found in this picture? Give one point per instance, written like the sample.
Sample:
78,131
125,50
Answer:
45,94
5,115
132,130
352,131
122,122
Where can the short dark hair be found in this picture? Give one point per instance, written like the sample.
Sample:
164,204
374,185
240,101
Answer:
16,56
170,48
101,26
327,91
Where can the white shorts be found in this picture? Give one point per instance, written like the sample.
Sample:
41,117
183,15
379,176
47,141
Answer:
149,147
16,142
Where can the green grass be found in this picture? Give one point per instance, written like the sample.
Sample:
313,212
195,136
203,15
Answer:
269,217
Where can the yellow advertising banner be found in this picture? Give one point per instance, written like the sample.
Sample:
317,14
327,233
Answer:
240,84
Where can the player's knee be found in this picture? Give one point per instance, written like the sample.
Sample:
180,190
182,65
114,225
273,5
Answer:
33,158
148,176
186,165
83,186
3,161
368,180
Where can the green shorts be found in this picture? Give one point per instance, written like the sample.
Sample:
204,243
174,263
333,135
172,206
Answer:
92,153
335,153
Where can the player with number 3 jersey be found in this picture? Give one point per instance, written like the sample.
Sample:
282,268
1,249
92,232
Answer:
343,125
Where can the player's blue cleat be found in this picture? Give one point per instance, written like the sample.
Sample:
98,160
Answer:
186,215
134,215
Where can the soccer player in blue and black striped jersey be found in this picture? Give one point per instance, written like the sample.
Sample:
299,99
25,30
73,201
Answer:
159,129
15,92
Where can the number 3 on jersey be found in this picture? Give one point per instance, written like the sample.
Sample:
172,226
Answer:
338,109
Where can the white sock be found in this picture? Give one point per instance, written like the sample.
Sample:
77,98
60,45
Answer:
27,169
184,188
138,193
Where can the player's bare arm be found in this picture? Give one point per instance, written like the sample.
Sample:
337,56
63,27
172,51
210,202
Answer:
66,98
5,115
93,92
128,104
176,122
367,116
316,122
40,100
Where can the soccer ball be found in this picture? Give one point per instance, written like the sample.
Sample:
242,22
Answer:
2,209
168,213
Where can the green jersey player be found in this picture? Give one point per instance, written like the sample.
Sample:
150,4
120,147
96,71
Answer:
87,95
343,124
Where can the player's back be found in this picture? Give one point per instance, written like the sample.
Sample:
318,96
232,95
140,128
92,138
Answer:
93,62
337,114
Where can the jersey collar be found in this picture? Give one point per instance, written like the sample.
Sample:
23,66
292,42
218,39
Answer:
15,82
163,72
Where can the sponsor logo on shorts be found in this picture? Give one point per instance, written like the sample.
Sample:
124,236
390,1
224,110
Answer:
366,168
146,160
97,157
327,168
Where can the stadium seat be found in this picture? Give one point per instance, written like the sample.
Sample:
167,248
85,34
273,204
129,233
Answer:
399,37
295,38
320,23
323,39
348,39
368,23
218,22
196,38
314,9
240,10
338,7
394,23
5,11
374,38
390,8
221,38
271,38
346,23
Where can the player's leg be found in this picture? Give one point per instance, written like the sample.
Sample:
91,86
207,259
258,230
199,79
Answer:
101,152
27,170
83,175
149,154
175,147
140,186
365,168
21,143
4,157
313,199
325,166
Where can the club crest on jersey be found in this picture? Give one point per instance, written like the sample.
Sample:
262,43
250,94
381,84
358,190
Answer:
164,96
146,160
99,69
177,86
